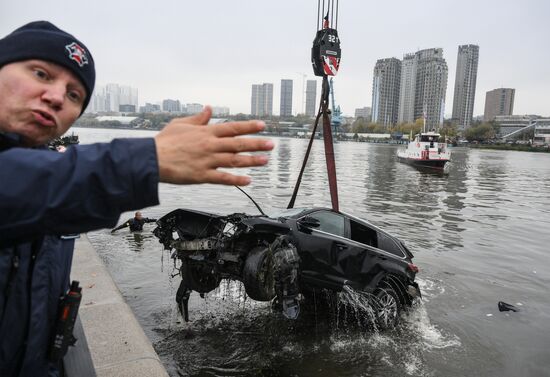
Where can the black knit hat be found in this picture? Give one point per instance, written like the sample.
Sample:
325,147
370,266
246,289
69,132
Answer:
43,40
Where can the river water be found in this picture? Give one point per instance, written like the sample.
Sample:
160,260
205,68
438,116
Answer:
480,235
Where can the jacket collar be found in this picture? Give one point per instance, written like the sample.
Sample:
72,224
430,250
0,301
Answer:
9,140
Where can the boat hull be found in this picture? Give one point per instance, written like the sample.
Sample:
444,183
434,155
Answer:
424,163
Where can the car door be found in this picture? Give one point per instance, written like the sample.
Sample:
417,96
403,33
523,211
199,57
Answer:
327,252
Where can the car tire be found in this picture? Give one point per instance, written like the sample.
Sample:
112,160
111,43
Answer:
200,279
258,275
387,308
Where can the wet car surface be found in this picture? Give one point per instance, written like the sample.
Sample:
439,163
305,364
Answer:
287,257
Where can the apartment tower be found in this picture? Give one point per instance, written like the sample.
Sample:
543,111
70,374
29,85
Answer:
407,91
311,98
286,98
385,91
499,102
430,87
262,100
465,85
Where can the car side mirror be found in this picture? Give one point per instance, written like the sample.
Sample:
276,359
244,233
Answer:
309,222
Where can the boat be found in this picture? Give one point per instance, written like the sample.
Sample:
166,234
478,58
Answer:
64,141
71,139
425,151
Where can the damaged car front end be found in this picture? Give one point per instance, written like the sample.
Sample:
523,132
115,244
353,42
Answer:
252,249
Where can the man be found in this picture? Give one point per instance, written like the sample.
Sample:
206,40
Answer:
47,77
135,223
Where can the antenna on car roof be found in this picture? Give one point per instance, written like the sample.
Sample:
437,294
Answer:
253,201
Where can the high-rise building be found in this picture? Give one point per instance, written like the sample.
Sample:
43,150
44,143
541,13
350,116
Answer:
430,87
127,95
256,99
98,102
112,92
220,111
286,98
149,108
499,102
363,112
311,97
194,108
127,108
171,105
408,88
465,85
385,91
108,98
262,99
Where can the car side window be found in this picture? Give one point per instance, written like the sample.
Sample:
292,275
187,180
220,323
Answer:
330,222
363,234
386,243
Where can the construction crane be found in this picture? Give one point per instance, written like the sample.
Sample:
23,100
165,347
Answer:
336,119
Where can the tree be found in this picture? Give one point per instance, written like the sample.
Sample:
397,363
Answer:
241,116
409,128
448,131
481,133
419,124
375,128
359,126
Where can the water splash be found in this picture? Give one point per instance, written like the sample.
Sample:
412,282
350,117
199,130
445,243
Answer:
359,305
418,321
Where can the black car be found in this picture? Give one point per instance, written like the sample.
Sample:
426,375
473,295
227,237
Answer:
286,257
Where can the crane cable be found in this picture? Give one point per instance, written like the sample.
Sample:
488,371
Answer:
320,69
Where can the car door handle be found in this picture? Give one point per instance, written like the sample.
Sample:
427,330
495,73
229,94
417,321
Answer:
341,246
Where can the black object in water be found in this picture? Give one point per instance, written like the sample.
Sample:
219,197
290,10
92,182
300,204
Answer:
504,307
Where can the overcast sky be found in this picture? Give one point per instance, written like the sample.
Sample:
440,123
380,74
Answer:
212,51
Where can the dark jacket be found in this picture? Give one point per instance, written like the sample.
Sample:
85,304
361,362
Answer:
43,196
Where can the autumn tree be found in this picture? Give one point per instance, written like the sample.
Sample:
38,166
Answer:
359,126
483,132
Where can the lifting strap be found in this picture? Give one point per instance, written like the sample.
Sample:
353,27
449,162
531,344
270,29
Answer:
329,150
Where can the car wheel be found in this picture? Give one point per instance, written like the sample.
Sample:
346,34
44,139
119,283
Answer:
200,278
258,275
387,308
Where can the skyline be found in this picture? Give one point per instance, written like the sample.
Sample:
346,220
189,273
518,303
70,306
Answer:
179,54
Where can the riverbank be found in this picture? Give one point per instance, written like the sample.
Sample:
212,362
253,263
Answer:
117,343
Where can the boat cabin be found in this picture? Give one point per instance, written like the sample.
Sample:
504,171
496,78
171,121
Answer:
428,137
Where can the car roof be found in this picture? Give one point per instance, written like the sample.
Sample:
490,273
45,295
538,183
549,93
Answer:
294,213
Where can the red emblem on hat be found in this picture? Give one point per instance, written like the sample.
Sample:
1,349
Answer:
77,53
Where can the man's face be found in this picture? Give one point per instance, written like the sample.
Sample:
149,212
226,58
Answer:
138,215
39,100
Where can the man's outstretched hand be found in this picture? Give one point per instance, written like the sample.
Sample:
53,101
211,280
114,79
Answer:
188,151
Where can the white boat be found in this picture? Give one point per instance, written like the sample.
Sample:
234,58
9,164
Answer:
425,151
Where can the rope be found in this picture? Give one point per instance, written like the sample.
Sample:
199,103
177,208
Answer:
323,11
329,150
318,9
306,157
332,14
337,6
